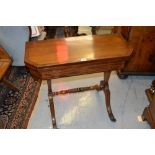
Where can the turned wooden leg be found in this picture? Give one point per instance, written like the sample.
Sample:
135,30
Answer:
65,31
105,86
51,102
93,30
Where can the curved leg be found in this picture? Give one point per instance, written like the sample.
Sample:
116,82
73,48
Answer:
50,96
105,86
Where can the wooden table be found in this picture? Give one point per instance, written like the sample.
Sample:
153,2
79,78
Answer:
56,58
5,63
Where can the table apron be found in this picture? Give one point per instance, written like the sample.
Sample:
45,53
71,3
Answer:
74,70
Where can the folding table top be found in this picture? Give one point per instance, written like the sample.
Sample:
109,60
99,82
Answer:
53,52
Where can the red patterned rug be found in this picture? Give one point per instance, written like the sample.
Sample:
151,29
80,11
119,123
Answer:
16,106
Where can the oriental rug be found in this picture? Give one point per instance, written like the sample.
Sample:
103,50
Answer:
16,106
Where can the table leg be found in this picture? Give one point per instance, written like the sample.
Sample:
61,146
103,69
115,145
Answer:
105,86
51,102
93,30
11,85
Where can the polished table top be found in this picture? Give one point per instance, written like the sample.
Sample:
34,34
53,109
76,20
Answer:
53,52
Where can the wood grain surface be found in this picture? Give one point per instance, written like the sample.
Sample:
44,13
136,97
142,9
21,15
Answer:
76,49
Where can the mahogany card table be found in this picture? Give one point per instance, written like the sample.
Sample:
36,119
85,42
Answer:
63,57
